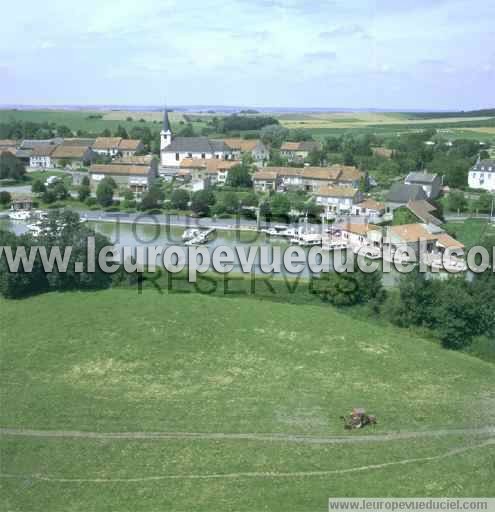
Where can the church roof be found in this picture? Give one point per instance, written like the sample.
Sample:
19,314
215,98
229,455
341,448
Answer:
166,122
195,145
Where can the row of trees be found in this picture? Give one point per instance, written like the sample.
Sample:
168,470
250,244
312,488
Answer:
11,168
456,310
60,230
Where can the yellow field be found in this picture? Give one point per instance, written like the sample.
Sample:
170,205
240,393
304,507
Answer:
122,115
487,129
362,119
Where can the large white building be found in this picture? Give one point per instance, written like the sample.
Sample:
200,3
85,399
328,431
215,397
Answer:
175,149
482,175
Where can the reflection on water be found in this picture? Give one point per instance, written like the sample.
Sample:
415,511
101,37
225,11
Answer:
134,235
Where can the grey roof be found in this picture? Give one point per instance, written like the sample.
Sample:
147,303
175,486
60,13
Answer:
421,177
195,145
400,193
23,153
487,165
166,122
31,143
219,145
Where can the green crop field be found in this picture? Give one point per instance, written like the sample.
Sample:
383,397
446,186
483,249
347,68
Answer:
244,396
320,125
85,120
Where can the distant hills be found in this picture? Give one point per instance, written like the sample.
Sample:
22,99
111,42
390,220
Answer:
486,112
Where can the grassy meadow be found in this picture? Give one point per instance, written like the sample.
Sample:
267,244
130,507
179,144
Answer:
118,361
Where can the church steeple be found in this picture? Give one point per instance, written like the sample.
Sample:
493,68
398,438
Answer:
166,122
166,133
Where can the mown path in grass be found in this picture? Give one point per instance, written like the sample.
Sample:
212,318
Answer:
351,438
254,474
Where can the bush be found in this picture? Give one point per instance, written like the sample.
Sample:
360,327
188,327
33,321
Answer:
179,199
90,201
5,198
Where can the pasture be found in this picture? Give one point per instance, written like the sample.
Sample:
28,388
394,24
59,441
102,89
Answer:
244,396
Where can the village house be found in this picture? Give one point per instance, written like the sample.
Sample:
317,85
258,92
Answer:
298,152
129,147
253,147
26,147
213,171
72,156
265,180
308,179
430,183
41,157
107,146
79,141
175,149
482,175
21,202
8,145
137,178
369,208
423,211
400,194
113,146
337,200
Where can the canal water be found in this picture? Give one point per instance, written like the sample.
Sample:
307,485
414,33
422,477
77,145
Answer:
134,235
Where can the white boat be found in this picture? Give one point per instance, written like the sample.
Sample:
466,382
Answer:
198,240
20,215
334,245
190,233
306,239
279,230
35,228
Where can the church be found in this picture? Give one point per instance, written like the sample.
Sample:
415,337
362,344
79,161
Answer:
174,149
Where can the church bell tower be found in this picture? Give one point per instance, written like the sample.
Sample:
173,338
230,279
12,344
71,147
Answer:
166,133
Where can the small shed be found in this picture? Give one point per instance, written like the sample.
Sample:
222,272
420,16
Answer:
21,202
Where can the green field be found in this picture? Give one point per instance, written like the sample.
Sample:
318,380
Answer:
258,372
82,120
471,232
320,125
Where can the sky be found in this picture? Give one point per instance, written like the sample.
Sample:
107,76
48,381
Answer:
384,54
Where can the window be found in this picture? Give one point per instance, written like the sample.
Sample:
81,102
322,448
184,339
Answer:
177,157
203,156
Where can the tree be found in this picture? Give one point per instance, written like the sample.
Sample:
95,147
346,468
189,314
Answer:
274,135
11,168
456,201
60,190
121,132
152,198
229,203
84,189
187,131
104,192
64,131
201,202
239,177
179,199
5,198
49,196
484,202
417,297
280,205
38,186
457,315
